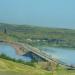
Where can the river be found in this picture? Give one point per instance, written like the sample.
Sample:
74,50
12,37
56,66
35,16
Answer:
11,52
64,54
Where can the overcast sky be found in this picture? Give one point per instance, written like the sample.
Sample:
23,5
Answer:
51,13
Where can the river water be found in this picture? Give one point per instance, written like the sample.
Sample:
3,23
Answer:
11,52
64,54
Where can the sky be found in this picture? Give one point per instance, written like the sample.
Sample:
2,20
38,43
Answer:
49,13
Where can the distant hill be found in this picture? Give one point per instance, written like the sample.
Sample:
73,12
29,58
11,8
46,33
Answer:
35,35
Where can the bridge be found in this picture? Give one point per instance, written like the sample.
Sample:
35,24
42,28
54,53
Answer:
23,49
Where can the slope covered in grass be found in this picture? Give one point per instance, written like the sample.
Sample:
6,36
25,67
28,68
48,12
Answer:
12,68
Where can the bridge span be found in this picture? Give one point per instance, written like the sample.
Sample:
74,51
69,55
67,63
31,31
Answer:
23,48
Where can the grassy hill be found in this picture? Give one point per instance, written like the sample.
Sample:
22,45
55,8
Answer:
38,35
8,67
12,68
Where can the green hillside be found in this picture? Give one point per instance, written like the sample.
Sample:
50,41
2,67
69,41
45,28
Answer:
38,35
12,68
8,67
